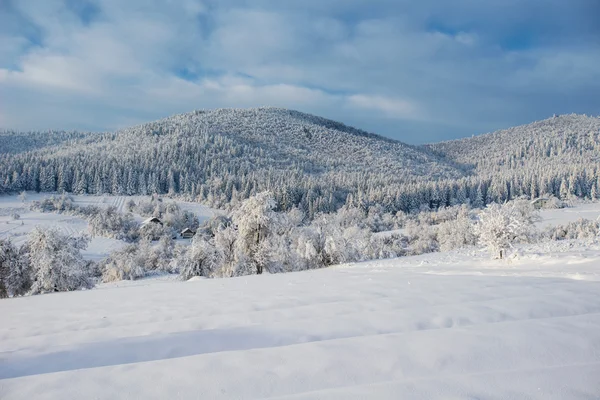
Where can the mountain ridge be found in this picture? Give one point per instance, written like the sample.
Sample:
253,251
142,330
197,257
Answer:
222,156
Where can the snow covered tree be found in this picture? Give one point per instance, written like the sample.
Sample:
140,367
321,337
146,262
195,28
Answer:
255,221
111,223
8,259
457,233
500,226
56,261
201,259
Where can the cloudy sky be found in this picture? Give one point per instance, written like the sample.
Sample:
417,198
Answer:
417,71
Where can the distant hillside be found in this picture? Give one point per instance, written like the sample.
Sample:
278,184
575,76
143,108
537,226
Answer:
534,159
19,142
222,156
225,155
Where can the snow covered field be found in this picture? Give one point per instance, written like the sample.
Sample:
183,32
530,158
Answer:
452,325
99,247
563,216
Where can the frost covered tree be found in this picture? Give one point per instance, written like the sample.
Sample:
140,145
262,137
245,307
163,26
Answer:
56,261
201,259
457,233
8,260
15,279
128,263
111,223
255,221
500,226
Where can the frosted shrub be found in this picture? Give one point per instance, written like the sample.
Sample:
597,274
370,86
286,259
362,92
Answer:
178,220
56,261
164,252
216,224
113,224
499,227
145,208
154,231
389,246
580,229
309,249
59,204
201,259
421,238
336,241
554,203
225,240
15,279
457,233
136,261
125,264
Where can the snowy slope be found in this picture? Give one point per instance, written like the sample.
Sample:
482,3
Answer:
441,326
589,211
555,144
225,155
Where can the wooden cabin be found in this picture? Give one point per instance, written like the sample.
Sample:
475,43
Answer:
187,233
540,203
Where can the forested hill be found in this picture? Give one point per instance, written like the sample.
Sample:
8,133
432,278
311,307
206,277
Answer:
221,156
545,155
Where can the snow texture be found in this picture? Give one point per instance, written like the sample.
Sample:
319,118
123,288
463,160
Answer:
452,325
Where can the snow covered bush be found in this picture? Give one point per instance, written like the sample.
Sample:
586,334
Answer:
15,216
457,233
56,261
500,226
422,238
178,219
154,231
15,279
580,229
59,204
388,246
127,263
113,224
201,259
138,260
553,203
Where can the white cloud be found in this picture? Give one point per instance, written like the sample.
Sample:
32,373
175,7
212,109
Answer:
385,63
394,108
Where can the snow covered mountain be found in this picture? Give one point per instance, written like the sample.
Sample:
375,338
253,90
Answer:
222,156
226,155
541,157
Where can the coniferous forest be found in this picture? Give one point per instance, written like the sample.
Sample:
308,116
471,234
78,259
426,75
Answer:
221,157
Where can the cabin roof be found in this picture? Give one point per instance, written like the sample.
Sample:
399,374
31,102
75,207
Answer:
151,219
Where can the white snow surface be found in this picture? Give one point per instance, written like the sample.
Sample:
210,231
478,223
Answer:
452,325
563,216
439,326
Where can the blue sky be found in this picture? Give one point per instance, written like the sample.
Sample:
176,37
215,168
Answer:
416,71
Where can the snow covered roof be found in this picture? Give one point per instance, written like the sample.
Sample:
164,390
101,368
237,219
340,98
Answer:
153,220
187,230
